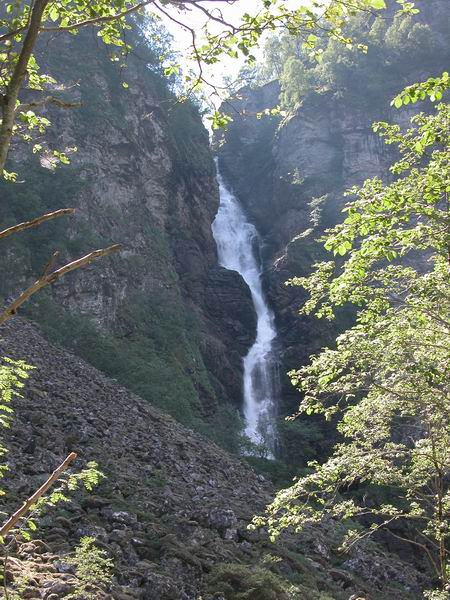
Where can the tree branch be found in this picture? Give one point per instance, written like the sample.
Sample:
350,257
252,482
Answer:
51,262
50,278
12,521
11,34
17,77
421,546
95,20
48,100
34,222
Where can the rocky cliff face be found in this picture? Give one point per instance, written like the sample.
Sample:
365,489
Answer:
301,167
173,509
291,175
143,177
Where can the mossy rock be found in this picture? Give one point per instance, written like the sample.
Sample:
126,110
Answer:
242,582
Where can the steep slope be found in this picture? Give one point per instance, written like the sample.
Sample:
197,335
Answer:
173,509
143,176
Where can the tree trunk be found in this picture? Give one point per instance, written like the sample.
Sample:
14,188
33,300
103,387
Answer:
16,81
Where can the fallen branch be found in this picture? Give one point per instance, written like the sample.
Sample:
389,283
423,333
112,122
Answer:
22,511
50,278
34,222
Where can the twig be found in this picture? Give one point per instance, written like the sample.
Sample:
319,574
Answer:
50,278
27,224
11,522
51,262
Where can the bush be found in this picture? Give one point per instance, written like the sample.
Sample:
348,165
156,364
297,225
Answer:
241,582
93,569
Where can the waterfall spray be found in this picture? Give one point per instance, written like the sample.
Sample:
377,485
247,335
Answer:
236,239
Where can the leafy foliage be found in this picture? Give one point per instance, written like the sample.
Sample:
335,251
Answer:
369,68
388,377
87,479
239,582
23,24
433,88
13,374
12,377
93,569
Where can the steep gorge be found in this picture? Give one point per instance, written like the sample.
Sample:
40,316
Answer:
290,174
169,324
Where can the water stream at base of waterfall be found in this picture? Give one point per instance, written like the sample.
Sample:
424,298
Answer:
237,240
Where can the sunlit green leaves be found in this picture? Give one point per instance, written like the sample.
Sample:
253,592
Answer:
324,18
384,222
219,120
93,568
13,374
433,89
377,4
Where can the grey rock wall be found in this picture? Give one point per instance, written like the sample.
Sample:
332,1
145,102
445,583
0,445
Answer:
143,177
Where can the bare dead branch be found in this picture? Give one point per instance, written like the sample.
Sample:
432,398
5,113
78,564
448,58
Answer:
50,278
48,100
22,511
49,266
34,222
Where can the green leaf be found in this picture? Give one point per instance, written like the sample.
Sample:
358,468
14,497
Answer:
54,13
377,4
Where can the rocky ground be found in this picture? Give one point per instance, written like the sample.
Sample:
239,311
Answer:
173,509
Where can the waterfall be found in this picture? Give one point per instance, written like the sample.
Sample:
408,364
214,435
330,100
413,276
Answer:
237,240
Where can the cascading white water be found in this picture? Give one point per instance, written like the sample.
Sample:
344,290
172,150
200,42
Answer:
236,240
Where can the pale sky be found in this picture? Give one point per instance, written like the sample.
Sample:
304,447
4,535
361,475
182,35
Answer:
196,19
231,12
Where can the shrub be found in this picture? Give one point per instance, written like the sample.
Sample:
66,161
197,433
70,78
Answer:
241,582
